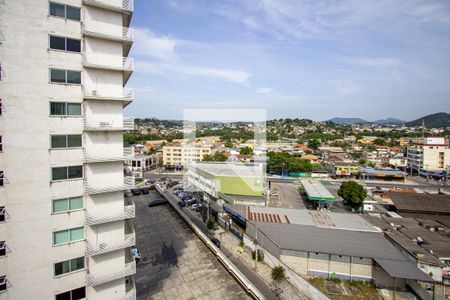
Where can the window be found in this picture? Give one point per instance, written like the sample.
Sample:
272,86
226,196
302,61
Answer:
1,105
67,204
65,76
65,44
2,248
65,109
2,213
63,173
3,283
69,266
65,141
2,178
76,294
64,11
68,235
1,144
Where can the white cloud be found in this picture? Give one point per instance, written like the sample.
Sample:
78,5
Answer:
149,44
344,87
375,61
263,90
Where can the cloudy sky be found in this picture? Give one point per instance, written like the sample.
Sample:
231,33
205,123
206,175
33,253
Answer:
308,59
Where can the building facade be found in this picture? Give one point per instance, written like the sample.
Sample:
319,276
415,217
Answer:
180,156
430,158
66,229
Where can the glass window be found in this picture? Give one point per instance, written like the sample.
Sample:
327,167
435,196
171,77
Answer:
73,13
77,264
57,10
59,173
57,108
57,75
60,205
76,234
62,267
57,42
74,77
75,172
69,266
58,141
74,109
73,45
60,237
74,140
75,203
64,296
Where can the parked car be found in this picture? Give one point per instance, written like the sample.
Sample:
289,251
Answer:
181,204
194,206
128,193
216,242
135,253
199,207
136,192
145,190
186,198
273,193
190,201
157,201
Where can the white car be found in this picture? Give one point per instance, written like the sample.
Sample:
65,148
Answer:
194,206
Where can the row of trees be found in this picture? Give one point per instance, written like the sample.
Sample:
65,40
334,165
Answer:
283,162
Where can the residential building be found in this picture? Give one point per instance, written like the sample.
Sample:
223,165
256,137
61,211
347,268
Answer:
181,155
65,227
431,158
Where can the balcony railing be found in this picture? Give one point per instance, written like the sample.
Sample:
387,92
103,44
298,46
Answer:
97,278
127,95
97,125
103,156
106,31
100,218
108,62
128,183
116,5
101,247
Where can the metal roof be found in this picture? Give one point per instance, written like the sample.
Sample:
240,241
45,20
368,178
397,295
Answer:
421,203
403,269
316,191
230,169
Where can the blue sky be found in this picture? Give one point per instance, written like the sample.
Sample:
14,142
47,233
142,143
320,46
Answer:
308,59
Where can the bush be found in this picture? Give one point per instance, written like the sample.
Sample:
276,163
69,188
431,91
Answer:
241,243
210,224
278,273
260,255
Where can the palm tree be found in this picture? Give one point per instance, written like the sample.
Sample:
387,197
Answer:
278,273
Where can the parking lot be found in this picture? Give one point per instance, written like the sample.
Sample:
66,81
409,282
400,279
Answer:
175,264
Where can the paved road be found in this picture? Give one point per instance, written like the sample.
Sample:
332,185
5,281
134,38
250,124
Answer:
175,264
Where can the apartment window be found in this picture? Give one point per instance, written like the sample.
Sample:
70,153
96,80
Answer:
65,11
68,235
65,76
64,173
3,283
75,294
65,44
69,266
67,204
1,107
65,109
2,213
65,141
1,144
2,178
2,248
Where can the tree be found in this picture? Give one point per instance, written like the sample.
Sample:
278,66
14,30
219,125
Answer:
314,144
379,142
218,156
229,144
352,193
245,150
362,161
278,273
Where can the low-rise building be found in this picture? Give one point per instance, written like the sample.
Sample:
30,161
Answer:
431,158
179,156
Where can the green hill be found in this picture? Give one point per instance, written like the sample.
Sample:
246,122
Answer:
436,120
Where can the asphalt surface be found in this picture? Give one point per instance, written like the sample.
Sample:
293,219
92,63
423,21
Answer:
175,264
289,195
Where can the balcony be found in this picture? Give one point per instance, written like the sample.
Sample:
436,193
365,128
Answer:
94,218
97,125
104,156
127,95
127,184
98,277
125,6
108,62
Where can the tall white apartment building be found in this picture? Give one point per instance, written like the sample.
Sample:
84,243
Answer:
65,228
430,157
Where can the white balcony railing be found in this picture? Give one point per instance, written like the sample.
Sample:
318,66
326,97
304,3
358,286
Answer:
109,62
127,94
98,277
101,247
93,218
117,5
128,183
107,125
107,31
104,156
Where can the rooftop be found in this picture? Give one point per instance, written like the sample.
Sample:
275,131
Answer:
230,169
316,191
421,203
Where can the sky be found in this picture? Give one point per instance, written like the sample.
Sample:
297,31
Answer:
313,59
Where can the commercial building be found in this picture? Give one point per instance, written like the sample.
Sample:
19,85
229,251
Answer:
179,156
65,230
236,183
331,245
315,191
431,158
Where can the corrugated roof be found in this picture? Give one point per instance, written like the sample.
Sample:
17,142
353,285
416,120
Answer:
316,191
403,269
439,204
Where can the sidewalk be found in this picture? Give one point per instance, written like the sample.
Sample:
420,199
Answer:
231,248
